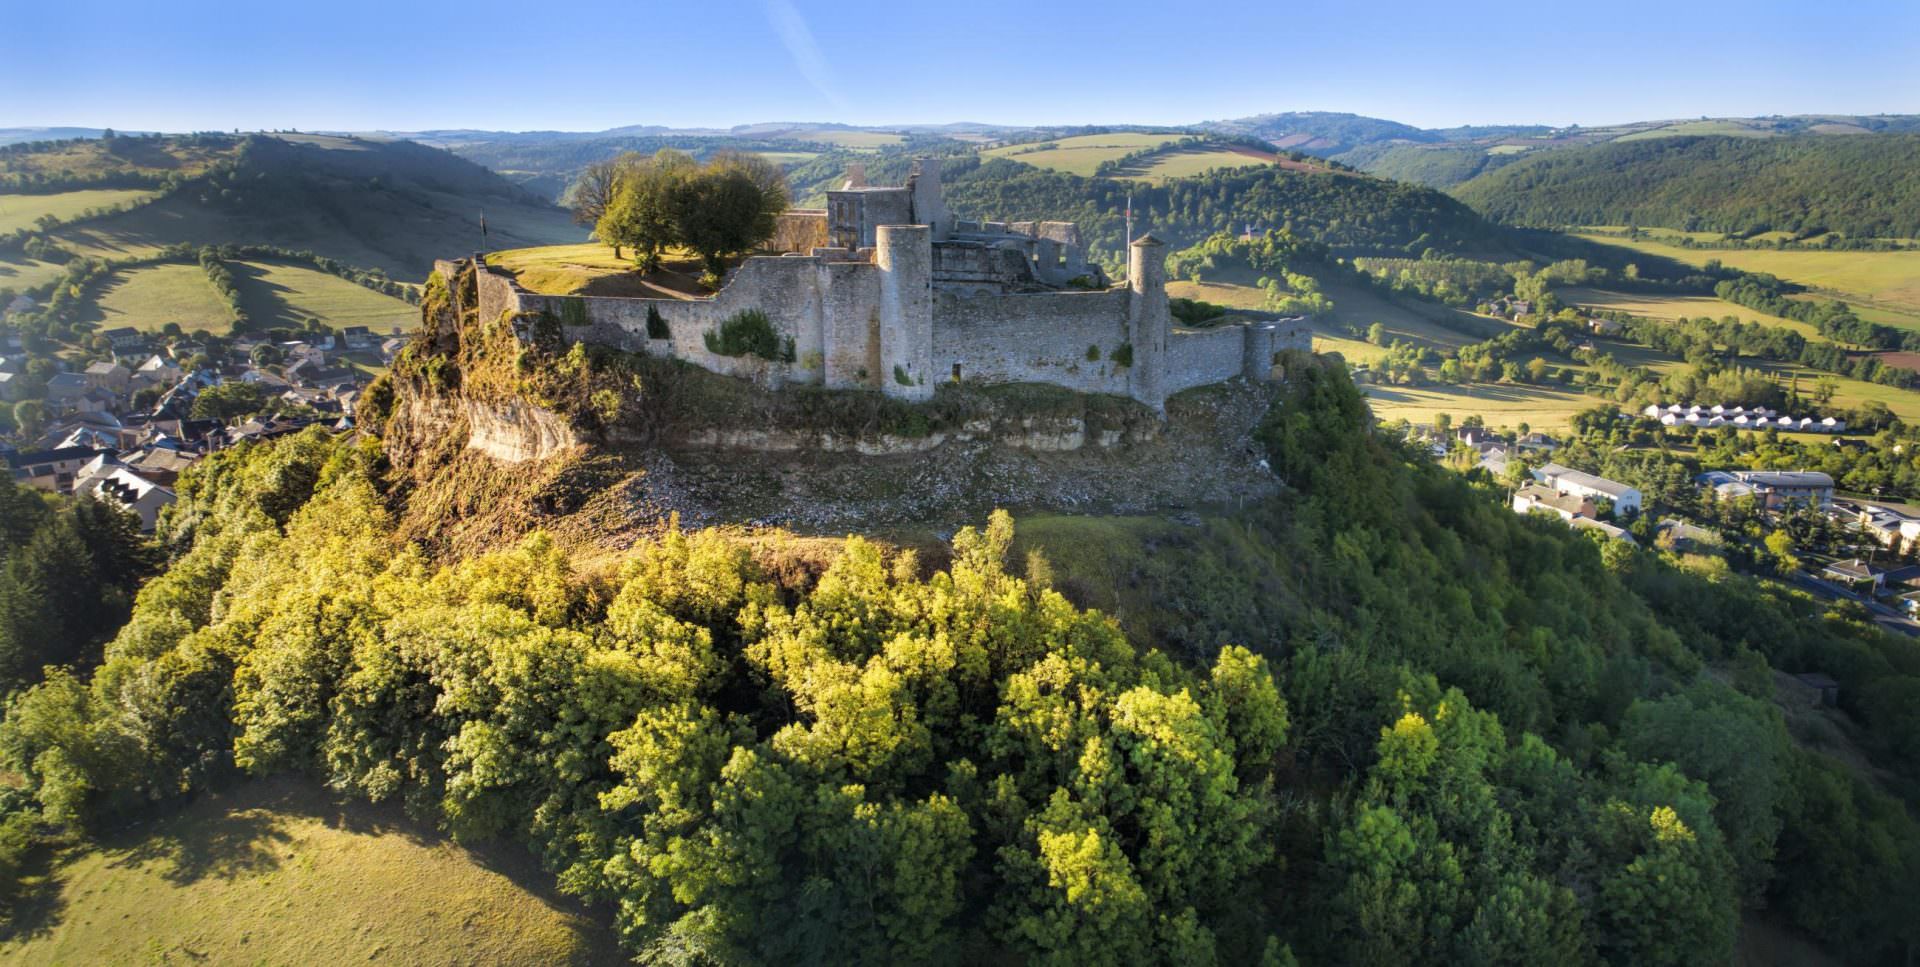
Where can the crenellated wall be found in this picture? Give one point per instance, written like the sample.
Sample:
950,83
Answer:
878,322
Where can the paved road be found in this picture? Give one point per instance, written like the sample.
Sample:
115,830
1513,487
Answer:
1886,617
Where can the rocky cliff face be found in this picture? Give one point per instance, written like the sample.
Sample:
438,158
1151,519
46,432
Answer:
476,463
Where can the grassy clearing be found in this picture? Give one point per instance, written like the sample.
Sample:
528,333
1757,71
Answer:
855,140
1889,281
1733,129
592,269
1659,306
278,872
285,294
1421,322
1500,405
148,298
1082,154
20,273
1354,310
20,211
1510,149
1328,337
1186,164
788,157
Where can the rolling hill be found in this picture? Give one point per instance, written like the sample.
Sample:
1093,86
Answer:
391,205
1860,187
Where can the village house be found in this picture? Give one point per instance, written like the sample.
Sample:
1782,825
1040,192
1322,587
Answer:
1626,500
108,480
108,375
1856,572
125,339
1567,507
52,470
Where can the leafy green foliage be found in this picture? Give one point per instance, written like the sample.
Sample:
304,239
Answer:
1392,721
747,332
724,207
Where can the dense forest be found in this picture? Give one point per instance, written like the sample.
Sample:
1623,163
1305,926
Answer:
1378,720
1861,186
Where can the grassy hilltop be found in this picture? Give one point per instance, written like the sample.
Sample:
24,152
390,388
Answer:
276,871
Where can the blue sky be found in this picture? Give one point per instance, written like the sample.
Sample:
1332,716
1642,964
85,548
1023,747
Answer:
399,65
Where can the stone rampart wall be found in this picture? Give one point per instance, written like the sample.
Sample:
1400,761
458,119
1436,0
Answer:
1037,337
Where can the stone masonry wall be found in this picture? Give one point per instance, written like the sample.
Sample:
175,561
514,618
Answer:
1197,357
1040,337
835,312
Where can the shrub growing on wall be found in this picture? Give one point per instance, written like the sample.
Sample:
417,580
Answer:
744,332
657,325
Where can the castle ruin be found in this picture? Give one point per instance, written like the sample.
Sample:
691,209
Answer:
884,289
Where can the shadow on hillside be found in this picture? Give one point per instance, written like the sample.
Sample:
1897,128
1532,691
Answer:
188,848
37,905
265,302
243,830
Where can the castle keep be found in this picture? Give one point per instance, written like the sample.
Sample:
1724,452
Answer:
885,290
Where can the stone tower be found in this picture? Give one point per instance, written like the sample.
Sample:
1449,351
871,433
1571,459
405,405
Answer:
1148,321
904,255
929,205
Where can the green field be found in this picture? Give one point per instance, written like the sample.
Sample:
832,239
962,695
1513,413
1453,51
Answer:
1327,337
148,298
1732,129
1186,164
1886,281
279,872
1501,405
855,140
285,294
20,273
273,293
1356,309
1661,306
1082,154
20,211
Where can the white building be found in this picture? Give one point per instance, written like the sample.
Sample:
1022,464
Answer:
1566,480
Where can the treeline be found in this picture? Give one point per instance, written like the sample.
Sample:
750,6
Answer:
1695,339
1834,319
1862,187
221,278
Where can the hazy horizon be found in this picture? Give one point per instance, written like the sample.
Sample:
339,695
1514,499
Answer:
358,66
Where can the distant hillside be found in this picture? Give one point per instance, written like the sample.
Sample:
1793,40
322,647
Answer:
1320,132
1350,213
1443,157
1865,187
393,205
